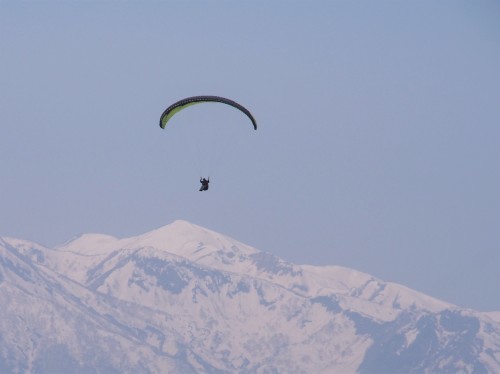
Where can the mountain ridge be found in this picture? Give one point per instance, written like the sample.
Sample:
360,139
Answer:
210,244
188,299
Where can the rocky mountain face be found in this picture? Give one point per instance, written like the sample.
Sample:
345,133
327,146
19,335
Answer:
184,299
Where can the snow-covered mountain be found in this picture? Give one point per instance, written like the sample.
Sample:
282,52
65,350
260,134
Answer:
186,299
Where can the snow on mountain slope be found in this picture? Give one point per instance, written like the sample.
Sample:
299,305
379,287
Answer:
247,323
69,262
89,256
50,324
240,318
217,251
183,298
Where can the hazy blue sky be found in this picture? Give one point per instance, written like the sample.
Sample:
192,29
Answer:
378,145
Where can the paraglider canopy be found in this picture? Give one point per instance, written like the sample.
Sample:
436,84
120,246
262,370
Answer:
184,103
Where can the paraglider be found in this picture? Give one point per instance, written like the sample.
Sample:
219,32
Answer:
204,184
184,103
187,102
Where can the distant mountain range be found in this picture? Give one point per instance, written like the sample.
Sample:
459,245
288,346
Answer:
184,299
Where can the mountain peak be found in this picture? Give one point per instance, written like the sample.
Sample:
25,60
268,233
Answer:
186,239
90,244
165,237
177,228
